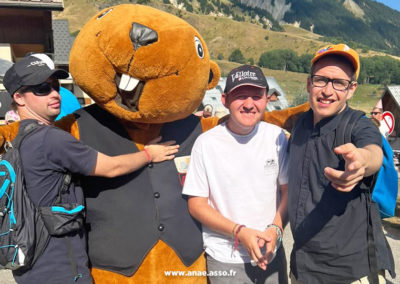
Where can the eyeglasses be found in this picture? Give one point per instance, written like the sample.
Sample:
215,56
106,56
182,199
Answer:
337,84
375,112
42,89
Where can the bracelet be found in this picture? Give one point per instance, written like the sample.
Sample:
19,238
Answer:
278,233
236,236
147,155
234,230
278,230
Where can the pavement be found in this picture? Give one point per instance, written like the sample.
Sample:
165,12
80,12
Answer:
392,234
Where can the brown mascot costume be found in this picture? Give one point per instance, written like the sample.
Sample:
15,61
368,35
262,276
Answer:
147,71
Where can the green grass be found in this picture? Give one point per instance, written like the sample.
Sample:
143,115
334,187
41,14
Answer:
223,35
366,97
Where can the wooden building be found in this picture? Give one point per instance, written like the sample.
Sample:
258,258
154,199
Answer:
391,102
27,25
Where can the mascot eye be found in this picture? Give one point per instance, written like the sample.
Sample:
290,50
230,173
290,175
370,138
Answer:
103,14
199,47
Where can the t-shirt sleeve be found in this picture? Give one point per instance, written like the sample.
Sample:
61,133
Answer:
196,182
365,133
62,149
283,159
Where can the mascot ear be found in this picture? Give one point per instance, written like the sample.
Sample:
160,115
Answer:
215,74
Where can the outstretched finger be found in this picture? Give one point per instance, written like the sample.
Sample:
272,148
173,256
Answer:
345,149
342,188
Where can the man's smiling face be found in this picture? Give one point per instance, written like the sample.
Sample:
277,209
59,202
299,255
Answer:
326,101
246,105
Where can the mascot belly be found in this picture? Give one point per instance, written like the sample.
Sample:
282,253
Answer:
147,71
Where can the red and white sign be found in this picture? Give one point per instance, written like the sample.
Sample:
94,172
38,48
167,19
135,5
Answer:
388,121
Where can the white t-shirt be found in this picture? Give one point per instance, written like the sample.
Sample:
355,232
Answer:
240,176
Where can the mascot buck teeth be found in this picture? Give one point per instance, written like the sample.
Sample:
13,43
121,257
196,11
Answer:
147,71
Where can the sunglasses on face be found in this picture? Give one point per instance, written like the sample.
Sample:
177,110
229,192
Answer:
43,89
375,112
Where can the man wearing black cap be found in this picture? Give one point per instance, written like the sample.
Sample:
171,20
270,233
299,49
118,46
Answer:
232,181
48,154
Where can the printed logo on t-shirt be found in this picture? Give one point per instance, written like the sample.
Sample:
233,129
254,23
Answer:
270,167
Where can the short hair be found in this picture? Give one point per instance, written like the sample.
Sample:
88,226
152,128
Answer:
340,59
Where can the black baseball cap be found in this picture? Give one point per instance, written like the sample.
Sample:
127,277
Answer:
29,71
245,75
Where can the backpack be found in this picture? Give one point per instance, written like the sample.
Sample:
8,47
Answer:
25,229
385,181
23,235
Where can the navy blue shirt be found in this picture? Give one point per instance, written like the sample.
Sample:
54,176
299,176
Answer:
46,156
329,227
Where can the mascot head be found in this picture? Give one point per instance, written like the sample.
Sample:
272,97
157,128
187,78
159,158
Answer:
142,64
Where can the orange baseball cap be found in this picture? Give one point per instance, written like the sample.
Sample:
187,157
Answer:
340,49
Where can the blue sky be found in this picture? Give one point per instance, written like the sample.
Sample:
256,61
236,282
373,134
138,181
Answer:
394,4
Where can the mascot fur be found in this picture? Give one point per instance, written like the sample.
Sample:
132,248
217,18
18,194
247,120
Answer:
147,71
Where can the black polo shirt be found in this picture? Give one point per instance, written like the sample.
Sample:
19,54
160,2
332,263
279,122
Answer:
329,227
46,155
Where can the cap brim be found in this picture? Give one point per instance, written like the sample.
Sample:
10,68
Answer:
247,84
40,77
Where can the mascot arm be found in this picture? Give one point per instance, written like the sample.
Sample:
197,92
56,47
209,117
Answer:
8,133
285,118
68,123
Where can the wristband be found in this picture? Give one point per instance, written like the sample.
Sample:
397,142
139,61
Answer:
147,155
236,236
279,239
234,230
278,231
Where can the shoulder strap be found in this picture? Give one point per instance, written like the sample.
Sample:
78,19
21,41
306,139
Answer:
24,131
343,131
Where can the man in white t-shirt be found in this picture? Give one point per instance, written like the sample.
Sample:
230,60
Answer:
237,183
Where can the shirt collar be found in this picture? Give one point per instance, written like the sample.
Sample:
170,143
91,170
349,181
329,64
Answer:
326,125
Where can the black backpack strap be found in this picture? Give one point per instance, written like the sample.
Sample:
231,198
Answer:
25,129
343,136
346,125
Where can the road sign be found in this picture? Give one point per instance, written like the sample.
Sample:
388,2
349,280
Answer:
388,121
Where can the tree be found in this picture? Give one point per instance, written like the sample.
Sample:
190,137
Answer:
237,56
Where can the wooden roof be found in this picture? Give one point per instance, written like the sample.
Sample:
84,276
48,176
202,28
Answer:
55,5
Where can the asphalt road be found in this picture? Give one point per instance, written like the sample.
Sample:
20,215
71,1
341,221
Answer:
392,235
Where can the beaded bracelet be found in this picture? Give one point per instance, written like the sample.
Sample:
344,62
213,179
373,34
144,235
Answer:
278,231
236,236
278,240
234,230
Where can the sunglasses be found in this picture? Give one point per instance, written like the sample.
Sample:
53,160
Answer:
375,112
43,89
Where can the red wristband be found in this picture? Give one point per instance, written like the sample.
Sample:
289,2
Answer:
147,155
236,236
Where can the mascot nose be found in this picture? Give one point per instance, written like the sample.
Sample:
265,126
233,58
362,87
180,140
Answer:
141,35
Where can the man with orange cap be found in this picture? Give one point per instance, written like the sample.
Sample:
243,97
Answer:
337,231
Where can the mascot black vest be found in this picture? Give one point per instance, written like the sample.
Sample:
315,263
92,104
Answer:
127,215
